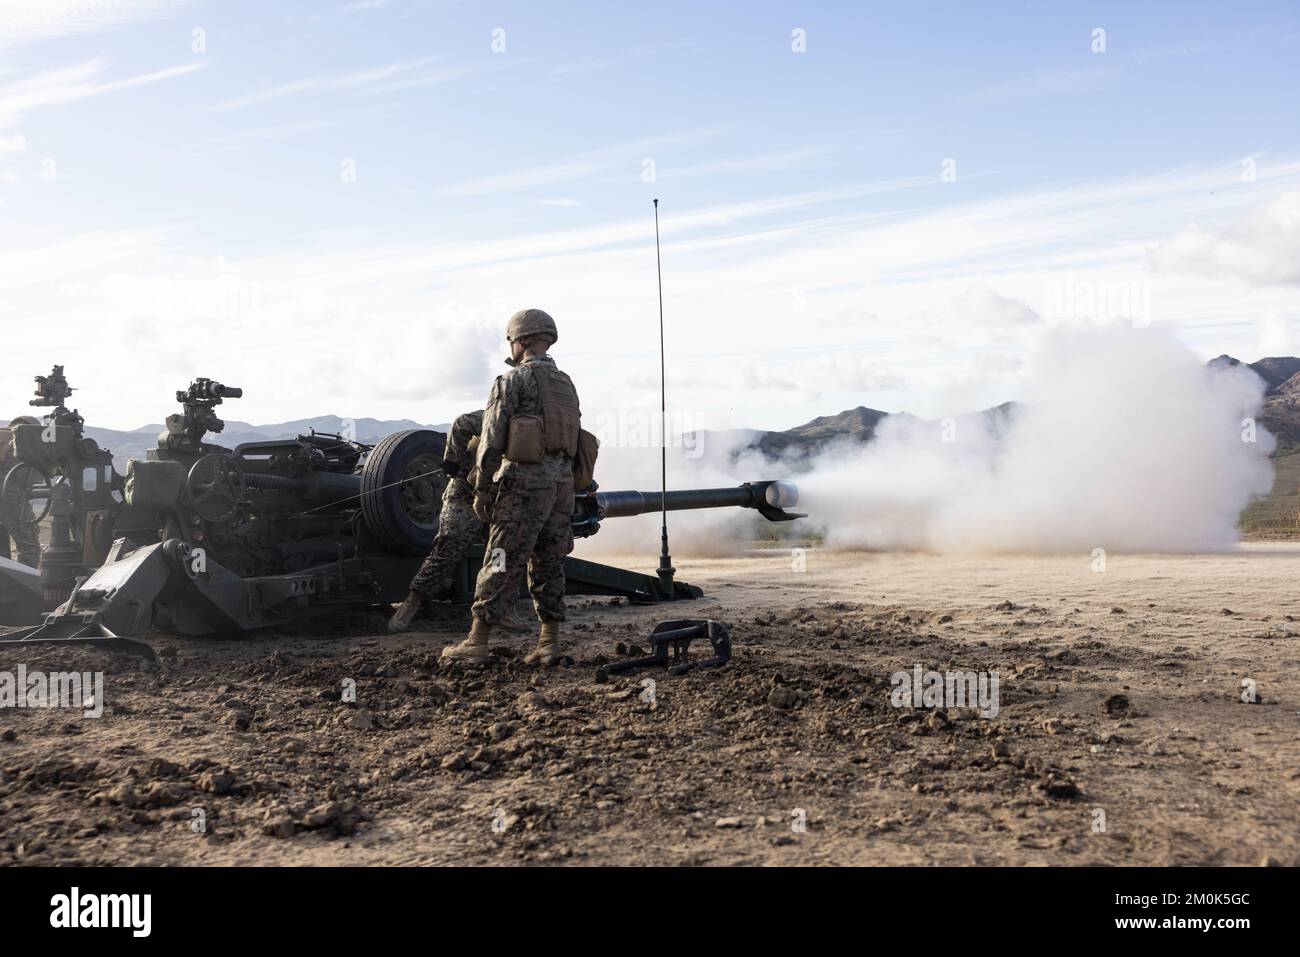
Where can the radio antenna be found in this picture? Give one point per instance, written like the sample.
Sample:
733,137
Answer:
666,569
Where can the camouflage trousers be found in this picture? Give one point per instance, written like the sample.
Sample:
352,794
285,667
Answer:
15,523
458,529
532,529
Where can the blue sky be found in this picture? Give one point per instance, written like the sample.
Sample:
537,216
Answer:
336,205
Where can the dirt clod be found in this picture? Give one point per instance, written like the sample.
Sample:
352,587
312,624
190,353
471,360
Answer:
1116,704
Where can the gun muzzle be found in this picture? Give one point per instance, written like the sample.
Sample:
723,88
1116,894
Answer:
769,498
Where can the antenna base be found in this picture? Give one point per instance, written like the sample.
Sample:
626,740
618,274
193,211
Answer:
666,572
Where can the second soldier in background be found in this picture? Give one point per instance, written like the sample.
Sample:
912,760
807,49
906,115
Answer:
458,529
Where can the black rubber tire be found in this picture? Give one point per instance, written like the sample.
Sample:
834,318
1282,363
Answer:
383,504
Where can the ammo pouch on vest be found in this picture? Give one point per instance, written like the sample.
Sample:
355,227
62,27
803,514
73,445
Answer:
526,439
584,463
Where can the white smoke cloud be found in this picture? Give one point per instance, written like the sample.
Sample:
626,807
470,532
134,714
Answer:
1129,443
1261,248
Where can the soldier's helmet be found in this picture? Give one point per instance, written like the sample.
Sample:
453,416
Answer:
24,420
531,322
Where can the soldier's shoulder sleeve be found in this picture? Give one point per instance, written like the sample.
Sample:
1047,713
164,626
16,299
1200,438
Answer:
501,386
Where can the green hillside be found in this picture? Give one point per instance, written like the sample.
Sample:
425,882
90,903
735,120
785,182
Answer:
1278,515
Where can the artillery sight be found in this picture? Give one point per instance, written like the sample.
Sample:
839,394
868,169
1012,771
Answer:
52,390
186,431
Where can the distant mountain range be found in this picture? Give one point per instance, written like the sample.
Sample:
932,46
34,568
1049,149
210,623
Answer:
855,425
1280,415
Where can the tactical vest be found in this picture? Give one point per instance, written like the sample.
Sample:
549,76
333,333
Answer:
560,413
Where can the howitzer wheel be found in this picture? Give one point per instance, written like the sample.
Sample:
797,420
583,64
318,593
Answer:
216,487
20,482
401,490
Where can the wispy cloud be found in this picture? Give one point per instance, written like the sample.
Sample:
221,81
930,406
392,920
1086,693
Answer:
1061,82
232,142
538,176
25,21
69,84
382,79
580,166
586,65
771,162
430,78
590,64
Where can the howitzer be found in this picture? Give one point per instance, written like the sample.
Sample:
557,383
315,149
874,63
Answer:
64,475
272,532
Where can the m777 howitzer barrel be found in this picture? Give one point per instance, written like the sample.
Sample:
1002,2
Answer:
320,487
769,498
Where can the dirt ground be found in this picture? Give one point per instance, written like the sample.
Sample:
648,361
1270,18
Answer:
1121,736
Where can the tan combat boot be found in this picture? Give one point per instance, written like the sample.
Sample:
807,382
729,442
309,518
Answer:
404,618
474,649
547,652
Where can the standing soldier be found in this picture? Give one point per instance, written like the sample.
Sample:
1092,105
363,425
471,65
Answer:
15,511
524,488
458,529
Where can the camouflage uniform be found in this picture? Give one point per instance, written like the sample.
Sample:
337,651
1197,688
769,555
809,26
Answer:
532,510
458,526
16,520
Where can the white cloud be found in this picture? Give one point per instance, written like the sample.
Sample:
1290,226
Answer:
586,65
70,84
25,21
1276,336
771,162
524,179
230,142
627,156
982,306
380,79
1059,82
590,64
1261,248
789,306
